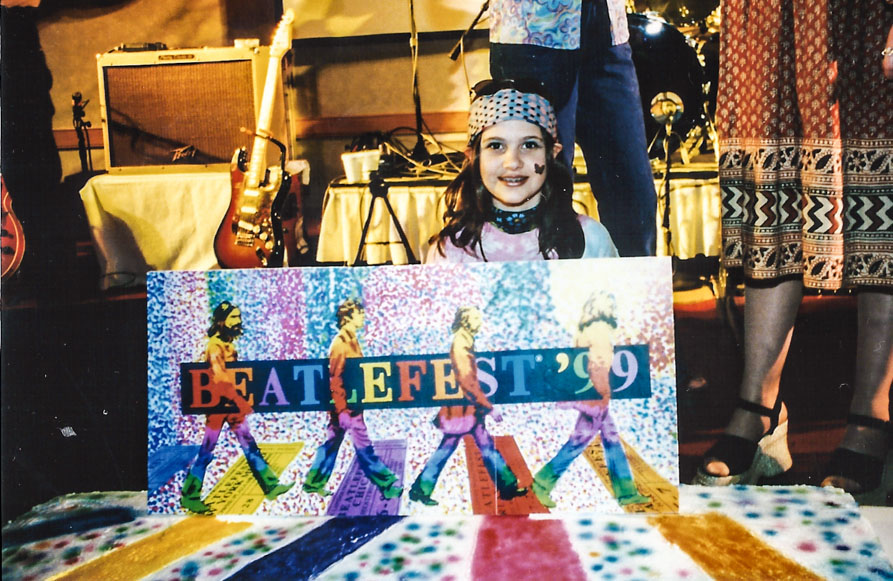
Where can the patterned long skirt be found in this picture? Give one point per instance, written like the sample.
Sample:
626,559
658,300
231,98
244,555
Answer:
805,122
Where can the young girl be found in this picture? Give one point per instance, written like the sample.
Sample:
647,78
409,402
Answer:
512,200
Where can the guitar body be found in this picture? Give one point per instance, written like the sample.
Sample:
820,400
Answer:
250,234
13,248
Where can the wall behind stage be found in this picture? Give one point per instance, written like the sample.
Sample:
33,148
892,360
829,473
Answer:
372,76
339,18
72,38
332,77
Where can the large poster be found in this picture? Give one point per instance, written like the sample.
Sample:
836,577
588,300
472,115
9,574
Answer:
487,388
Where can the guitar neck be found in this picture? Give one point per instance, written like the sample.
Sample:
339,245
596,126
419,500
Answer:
257,163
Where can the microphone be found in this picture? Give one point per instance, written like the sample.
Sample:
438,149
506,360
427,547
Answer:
667,108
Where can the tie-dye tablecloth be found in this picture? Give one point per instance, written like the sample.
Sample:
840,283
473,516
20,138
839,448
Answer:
739,532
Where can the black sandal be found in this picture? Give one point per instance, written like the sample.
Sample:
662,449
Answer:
748,461
865,470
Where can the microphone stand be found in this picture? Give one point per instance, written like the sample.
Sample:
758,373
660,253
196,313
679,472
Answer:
419,152
81,127
454,54
667,108
668,234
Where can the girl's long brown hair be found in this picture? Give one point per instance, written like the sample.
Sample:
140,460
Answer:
469,203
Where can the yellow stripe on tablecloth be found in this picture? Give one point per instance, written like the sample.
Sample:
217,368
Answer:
724,549
150,554
238,491
664,496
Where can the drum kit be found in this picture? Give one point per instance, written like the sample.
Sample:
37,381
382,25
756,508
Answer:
675,46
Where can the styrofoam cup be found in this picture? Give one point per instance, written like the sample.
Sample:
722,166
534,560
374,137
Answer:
359,165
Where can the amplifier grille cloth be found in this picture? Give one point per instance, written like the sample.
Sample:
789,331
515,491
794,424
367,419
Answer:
187,113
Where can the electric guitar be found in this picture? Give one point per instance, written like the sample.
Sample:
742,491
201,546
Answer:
250,234
13,248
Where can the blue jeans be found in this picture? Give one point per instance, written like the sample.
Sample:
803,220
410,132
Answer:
496,466
595,92
324,463
587,427
239,425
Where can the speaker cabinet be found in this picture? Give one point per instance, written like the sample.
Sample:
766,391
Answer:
184,109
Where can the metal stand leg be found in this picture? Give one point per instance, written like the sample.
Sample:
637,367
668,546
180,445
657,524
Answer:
379,189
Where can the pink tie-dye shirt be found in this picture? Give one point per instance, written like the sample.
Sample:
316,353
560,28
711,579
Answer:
499,246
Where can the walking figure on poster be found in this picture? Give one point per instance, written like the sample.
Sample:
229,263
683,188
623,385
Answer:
342,420
226,326
596,331
458,420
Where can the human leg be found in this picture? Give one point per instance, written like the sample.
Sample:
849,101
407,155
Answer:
611,132
622,481
556,69
424,484
874,357
505,480
769,315
191,495
213,427
375,470
324,462
566,120
547,477
857,465
266,478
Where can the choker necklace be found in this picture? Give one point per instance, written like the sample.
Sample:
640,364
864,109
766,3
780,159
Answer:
513,222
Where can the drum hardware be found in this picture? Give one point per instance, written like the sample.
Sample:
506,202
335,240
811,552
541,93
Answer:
666,109
666,63
681,12
702,137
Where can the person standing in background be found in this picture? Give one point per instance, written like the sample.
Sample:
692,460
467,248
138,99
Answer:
805,127
30,163
580,51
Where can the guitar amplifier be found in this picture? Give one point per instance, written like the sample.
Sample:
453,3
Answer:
176,110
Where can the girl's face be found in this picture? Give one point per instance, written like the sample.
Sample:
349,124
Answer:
513,163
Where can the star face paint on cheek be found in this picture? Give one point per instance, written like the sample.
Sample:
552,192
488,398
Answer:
539,169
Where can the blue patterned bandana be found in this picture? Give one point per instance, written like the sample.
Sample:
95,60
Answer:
488,110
